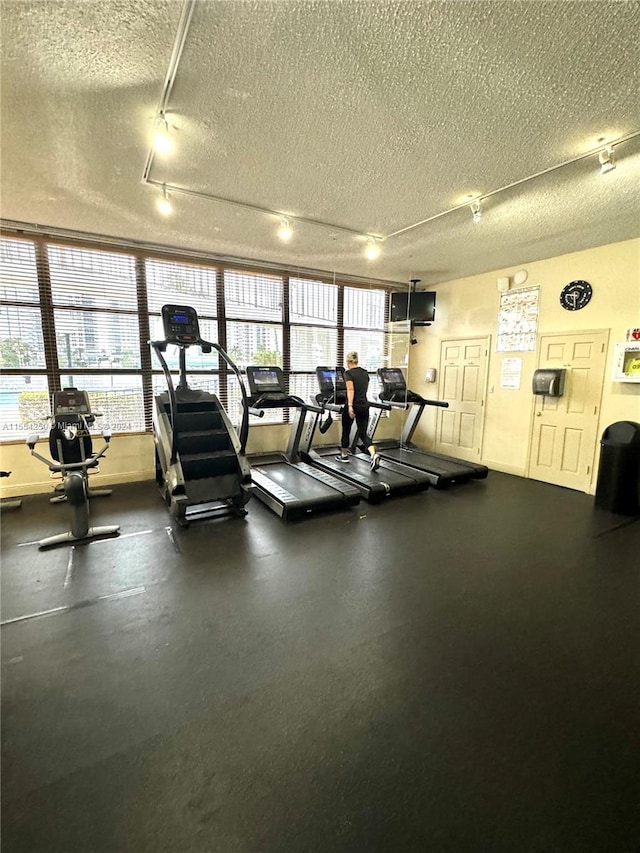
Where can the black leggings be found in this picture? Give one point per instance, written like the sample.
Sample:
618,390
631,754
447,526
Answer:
362,420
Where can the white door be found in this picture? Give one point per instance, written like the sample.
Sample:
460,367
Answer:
463,372
563,440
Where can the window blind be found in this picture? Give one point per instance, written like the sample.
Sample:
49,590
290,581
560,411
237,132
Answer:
254,330
313,315
24,387
97,332
73,314
365,314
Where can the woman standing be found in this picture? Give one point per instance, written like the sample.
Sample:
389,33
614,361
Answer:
357,381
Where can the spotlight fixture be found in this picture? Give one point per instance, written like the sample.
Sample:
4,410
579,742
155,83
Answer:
162,141
285,232
372,249
164,205
476,210
606,160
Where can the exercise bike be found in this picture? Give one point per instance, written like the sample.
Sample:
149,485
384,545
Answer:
72,458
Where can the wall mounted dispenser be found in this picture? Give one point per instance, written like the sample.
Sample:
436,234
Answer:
549,381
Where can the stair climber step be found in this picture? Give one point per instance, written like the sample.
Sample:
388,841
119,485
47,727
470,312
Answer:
198,421
196,466
204,441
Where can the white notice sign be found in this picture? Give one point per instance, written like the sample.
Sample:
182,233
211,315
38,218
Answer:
518,320
510,373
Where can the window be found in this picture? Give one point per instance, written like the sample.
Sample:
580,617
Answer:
254,329
313,313
73,315
365,314
313,302
24,388
24,406
248,296
21,343
18,273
181,284
97,335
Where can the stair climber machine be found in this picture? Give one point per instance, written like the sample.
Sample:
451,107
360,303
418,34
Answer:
73,459
201,467
286,484
391,478
442,470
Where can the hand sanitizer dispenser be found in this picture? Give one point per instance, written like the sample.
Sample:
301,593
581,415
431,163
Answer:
549,382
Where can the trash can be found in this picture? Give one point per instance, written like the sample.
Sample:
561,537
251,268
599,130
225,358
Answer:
618,487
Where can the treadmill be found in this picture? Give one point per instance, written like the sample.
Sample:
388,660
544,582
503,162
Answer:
391,478
442,470
289,486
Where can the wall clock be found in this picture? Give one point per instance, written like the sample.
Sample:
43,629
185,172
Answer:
576,295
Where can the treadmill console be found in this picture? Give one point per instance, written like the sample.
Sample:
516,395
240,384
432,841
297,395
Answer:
394,387
331,383
393,381
326,379
265,380
180,323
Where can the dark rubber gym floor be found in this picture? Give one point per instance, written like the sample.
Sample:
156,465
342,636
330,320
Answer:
452,671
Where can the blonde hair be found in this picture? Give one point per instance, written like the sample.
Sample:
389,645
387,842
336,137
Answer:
352,357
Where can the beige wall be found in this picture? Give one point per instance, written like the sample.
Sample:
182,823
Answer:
469,308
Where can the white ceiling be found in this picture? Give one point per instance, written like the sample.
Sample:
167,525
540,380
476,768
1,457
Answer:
368,116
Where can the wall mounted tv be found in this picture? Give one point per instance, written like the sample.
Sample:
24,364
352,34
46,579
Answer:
420,306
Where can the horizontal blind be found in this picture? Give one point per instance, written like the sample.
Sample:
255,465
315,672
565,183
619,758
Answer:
254,327
73,314
170,283
364,309
364,331
97,333
250,296
195,358
313,314
313,302
18,273
24,392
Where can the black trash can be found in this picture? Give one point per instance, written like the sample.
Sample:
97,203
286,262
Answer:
618,487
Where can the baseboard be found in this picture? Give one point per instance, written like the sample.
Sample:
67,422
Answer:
505,469
95,482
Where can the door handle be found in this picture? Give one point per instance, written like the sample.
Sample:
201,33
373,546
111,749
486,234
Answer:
538,414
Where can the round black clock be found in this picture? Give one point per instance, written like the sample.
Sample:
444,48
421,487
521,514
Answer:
576,295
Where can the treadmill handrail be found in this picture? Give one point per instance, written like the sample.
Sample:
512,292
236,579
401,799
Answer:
421,401
325,405
333,407
393,405
290,400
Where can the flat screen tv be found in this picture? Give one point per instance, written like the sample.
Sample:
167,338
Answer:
419,306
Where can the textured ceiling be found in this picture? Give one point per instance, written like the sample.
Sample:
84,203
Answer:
367,116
